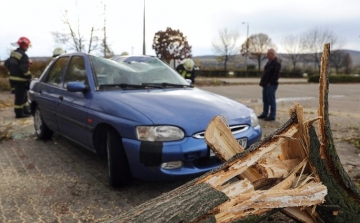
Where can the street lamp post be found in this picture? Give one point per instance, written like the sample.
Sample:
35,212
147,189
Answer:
247,45
144,51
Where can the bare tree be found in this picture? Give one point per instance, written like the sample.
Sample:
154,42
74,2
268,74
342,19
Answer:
314,40
225,45
92,41
74,38
337,55
171,44
336,59
293,46
258,45
347,63
105,48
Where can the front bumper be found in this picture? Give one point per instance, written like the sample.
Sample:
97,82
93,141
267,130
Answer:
145,158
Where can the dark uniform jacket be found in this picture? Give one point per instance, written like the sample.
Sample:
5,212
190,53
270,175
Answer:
18,66
271,73
185,73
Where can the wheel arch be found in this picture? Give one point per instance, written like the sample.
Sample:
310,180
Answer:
99,137
118,163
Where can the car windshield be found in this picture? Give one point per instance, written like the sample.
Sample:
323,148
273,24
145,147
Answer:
135,72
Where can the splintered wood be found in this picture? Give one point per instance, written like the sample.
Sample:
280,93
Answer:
267,181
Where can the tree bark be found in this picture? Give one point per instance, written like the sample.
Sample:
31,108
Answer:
343,200
292,170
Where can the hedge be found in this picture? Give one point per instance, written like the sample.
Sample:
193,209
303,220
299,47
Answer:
250,73
336,79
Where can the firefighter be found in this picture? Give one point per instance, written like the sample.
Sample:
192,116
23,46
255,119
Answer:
12,88
20,76
186,69
58,51
11,82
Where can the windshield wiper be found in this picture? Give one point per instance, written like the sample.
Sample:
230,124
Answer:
123,86
144,85
165,85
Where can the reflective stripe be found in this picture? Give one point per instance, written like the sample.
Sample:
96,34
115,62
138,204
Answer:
27,73
18,106
183,73
18,78
16,54
9,73
21,106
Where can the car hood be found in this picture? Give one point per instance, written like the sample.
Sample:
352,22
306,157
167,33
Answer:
192,109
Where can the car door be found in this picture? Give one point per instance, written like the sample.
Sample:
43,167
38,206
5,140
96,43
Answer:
49,89
72,114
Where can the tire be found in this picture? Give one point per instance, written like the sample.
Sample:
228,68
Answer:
118,165
41,129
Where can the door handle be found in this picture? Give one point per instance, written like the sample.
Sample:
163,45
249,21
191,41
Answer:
61,97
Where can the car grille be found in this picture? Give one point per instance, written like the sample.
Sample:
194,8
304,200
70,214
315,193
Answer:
234,129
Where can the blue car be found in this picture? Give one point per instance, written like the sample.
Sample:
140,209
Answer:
138,112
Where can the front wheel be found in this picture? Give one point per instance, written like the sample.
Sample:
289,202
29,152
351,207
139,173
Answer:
41,129
118,166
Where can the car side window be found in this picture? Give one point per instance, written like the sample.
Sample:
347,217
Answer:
76,71
56,71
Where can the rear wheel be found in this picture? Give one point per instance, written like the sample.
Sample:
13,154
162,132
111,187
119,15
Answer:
41,130
118,166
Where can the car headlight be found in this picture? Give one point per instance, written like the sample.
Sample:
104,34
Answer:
254,119
159,133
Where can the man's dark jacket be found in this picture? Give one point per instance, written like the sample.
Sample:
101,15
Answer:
271,73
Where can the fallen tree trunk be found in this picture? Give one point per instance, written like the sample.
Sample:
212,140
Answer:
292,170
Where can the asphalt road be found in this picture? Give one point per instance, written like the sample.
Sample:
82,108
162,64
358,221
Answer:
58,181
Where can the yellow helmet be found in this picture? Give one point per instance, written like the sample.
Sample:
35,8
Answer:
189,64
58,51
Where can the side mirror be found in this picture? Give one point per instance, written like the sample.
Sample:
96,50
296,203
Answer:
76,87
189,81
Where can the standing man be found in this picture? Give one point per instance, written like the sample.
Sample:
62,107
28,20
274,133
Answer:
187,70
20,76
269,83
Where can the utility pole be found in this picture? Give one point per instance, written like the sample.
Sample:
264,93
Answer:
144,51
247,45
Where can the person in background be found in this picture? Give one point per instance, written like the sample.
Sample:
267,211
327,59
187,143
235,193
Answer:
20,76
58,51
269,83
186,69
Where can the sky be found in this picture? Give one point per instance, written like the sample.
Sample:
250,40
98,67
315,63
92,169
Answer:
198,20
